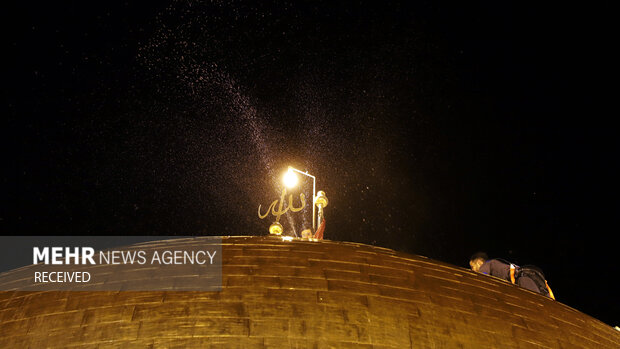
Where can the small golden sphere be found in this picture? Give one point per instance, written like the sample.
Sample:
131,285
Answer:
321,199
275,228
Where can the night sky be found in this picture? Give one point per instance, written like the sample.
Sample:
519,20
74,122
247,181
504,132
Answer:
435,129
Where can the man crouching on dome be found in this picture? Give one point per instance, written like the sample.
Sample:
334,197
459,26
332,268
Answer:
529,276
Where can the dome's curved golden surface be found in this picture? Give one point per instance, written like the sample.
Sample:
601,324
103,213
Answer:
307,295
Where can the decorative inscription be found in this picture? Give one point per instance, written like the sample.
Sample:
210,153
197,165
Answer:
279,211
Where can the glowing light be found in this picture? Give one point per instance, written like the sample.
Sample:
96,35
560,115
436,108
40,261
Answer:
290,178
287,238
275,229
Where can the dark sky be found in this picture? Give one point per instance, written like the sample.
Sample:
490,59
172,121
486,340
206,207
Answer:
435,129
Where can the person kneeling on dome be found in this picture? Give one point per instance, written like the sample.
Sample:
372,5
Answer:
530,277
307,233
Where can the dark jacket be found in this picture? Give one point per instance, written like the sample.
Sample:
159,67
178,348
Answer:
496,268
529,276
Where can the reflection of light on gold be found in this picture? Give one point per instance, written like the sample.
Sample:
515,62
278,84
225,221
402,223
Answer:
321,199
290,178
275,229
287,238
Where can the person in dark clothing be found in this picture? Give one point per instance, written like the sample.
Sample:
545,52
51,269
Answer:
529,277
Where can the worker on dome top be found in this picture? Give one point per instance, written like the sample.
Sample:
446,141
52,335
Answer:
307,233
529,276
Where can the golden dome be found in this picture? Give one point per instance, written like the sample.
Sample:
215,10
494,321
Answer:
304,294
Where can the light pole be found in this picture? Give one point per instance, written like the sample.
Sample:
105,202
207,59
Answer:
290,180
